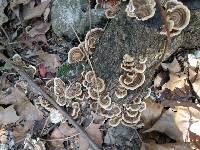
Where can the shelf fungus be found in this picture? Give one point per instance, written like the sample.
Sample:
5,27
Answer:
88,76
120,91
140,67
114,110
75,55
115,121
127,63
105,102
132,120
76,109
91,38
98,84
178,17
110,13
73,90
18,60
132,82
141,10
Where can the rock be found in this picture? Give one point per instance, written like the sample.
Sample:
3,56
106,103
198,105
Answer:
65,14
3,17
121,136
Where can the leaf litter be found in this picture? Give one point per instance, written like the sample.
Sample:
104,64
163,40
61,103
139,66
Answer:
172,110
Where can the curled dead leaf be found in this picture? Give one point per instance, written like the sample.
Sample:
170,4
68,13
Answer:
151,113
177,123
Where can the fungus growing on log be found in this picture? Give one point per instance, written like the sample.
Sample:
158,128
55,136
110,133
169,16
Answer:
105,102
132,83
90,39
110,13
178,17
73,90
98,84
120,91
75,55
128,119
88,76
142,10
115,121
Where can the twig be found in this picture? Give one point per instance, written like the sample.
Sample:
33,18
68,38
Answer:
5,33
52,101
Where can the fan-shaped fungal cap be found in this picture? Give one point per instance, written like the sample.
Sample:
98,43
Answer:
129,119
137,100
133,107
73,90
116,110
106,113
132,113
141,9
91,38
75,54
93,94
127,68
105,102
178,17
180,14
98,84
89,75
59,87
145,12
132,83
140,68
128,58
115,121
120,92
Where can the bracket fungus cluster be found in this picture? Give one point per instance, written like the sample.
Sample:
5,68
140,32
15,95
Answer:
178,17
128,114
77,54
133,78
141,9
97,89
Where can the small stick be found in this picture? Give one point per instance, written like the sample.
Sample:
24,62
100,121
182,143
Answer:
47,97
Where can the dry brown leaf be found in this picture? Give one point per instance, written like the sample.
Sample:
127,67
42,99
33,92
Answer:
173,67
8,115
30,12
27,40
12,96
28,111
19,132
63,131
175,81
177,123
51,61
151,113
95,134
168,146
39,28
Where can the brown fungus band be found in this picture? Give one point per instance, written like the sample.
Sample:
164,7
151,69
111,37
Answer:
178,17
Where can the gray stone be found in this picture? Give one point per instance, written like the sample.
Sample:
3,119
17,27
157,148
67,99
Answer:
66,14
